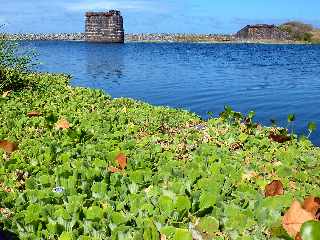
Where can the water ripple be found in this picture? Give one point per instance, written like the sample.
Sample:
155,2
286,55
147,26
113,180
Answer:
274,80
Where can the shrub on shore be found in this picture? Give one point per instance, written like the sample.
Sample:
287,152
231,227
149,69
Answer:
299,31
14,66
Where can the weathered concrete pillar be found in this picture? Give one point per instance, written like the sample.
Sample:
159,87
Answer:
104,27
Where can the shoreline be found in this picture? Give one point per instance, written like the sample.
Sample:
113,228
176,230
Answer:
150,38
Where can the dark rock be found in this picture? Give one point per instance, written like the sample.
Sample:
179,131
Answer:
263,32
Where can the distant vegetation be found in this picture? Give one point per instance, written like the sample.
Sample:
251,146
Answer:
302,31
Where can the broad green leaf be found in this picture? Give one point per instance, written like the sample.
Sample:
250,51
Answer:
118,218
209,225
310,230
182,234
99,189
94,213
168,231
66,236
166,204
182,203
32,213
150,231
207,199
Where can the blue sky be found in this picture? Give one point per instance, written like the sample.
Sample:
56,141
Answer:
181,16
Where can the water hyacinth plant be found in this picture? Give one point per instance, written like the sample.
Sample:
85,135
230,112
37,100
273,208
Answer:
86,166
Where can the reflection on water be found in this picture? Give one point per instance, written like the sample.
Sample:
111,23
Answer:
105,65
273,80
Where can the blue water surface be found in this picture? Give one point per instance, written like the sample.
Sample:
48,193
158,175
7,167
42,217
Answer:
273,80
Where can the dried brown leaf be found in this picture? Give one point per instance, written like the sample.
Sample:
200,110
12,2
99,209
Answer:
5,212
292,185
274,188
298,237
121,160
279,138
235,146
312,205
7,190
317,217
7,146
34,114
163,237
62,124
6,94
294,218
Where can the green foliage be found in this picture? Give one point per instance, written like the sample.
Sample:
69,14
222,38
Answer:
312,126
298,30
14,66
209,225
182,234
11,79
307,37
291,118
179,181
310,230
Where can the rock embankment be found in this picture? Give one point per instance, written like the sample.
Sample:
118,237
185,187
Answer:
163,37
260,32
46,36
166,37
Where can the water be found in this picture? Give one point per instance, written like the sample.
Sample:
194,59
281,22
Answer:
273,80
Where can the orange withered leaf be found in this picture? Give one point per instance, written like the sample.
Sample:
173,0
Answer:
121,160
294,218
312,205
7,146
274,188
34,114
62,124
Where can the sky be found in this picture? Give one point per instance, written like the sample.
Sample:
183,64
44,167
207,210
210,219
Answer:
162,16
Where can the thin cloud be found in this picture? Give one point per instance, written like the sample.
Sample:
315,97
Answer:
100,5
2,21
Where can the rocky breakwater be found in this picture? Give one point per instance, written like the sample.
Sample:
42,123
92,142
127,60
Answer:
45,36
161,37
168,37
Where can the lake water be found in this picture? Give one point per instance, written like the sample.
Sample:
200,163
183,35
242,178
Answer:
273,80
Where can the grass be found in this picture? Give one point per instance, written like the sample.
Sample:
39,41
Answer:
123,169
